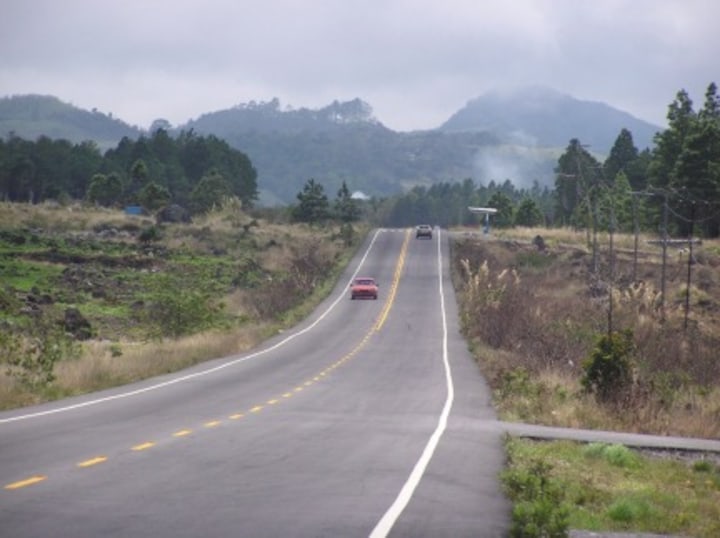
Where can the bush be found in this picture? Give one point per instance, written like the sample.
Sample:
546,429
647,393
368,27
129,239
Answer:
149,235
30,356
608,370
173,310
617,455
539,509
629,509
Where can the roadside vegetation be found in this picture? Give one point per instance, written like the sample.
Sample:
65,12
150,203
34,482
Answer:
565,342
93,298
562,485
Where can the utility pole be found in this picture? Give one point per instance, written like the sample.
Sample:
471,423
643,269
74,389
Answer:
594,231
636,232
664,253
636,227
689,267
611,278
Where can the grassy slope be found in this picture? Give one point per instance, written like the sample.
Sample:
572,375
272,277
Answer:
211,288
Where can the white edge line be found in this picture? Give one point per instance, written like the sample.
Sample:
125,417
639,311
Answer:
386,523
157,386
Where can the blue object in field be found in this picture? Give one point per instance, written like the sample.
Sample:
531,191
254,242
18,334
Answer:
133,210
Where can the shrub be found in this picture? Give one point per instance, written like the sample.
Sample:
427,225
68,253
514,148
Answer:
617,455
629,509
30,356
149,235
173,310
702,466
539,509
608,370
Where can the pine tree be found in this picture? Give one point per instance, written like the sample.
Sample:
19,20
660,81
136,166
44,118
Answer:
346,208
313,206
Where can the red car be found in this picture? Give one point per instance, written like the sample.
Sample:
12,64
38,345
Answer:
364,287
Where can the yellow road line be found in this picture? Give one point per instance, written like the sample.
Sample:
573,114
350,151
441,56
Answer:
92,461
182,433
212,423
143,446
27,482
396,280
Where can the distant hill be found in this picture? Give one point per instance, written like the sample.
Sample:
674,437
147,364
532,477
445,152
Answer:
340,142
32,116
517,136
270,117
538,116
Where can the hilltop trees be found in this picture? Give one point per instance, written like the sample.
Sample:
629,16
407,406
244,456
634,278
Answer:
679,177
685,165
151,171
34,171
178,165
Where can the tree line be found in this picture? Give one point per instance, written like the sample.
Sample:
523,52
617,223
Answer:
190,170
676,185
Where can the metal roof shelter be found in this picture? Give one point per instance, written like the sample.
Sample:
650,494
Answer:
487,211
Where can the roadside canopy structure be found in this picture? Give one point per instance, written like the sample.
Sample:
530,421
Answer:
487,211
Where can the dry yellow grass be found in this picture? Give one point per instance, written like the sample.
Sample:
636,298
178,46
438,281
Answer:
691,412
552,332
75,217
105,364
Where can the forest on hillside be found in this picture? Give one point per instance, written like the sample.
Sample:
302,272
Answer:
677,182
189,170
673,188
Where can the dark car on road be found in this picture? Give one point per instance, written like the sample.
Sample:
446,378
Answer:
423,230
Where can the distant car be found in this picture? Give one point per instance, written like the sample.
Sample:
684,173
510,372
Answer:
423,230
364,288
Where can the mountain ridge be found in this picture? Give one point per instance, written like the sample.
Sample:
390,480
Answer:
495,137
33,115
547,116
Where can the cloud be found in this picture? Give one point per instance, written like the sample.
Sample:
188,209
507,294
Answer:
416,62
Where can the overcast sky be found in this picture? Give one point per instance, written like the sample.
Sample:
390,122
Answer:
416,62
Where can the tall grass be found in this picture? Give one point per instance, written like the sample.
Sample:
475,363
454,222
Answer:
533,318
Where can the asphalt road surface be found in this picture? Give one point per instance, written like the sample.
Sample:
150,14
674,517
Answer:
369,419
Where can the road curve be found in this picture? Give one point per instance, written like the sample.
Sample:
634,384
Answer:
368,419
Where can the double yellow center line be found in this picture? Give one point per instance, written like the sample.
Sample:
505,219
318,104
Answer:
395,282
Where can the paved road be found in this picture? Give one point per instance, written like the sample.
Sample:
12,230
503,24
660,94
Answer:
369,419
